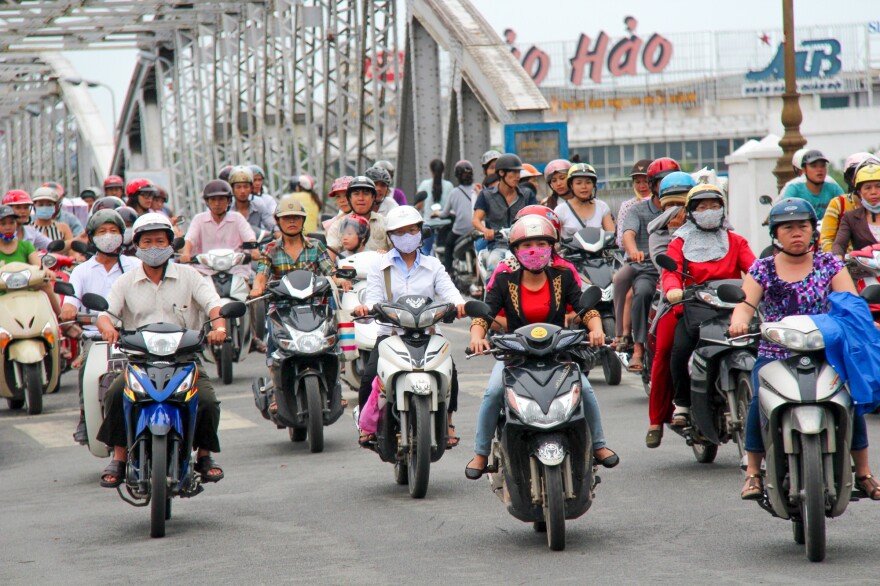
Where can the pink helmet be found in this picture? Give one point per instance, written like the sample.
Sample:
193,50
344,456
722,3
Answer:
340,184
556,166
853,162
532,226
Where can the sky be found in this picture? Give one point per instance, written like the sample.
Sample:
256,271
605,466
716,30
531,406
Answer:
564,20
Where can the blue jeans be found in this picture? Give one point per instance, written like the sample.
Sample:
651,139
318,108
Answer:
428,244
493,401
754,441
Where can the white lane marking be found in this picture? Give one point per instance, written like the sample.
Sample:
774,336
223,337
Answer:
229,420
49,434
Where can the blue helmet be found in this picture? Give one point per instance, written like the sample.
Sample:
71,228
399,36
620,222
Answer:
676,183
791,209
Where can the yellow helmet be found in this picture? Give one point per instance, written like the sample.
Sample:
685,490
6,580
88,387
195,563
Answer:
703,191
581,170
867,173
289,206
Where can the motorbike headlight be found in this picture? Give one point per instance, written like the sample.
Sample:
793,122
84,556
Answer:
305,343
795,339
431,316
16,280
399,316
608,293
133,387
186,390
162,344
530,413
710,298
224,262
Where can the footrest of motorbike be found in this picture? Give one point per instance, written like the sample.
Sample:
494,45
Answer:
491,469
188,494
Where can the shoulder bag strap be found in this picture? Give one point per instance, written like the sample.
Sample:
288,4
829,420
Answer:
387,272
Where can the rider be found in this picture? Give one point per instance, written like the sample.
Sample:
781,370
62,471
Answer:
89,195
382,179
337,194
861,227
261,194
815,189
303,189
583,210
160,291
14,250
360,195
114,186
706,249
543,294
404,270
489,161
459,205
796,281
97,275
398,194
140,194
46,208
21,203
844,203
556,174
527,178
255,210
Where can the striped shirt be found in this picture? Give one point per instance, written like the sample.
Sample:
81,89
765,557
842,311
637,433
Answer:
275,262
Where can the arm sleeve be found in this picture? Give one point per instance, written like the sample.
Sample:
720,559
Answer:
375,291
203,291
631,222
193,234
334,238
830,223
41,241
448,207
572,291
245,232
746,256
325,265
76,227
495,299
482,203
446,288
77,283
115,302
264,266
669,279
841,241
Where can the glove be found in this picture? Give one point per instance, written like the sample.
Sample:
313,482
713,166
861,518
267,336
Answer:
674,295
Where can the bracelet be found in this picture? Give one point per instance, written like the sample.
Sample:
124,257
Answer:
220,329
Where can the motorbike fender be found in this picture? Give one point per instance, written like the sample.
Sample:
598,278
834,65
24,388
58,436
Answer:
807,420
731,364
29,351
365,335
160,419
94,367
550,452
239,290
393,357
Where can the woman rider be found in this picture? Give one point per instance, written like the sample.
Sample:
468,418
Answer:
534,293
556,174
583,210
796,281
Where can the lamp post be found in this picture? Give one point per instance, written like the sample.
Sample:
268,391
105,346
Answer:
93,84
792,116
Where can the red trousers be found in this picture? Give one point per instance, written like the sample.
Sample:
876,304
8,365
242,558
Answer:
662,392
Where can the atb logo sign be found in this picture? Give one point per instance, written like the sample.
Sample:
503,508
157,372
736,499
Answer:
817,58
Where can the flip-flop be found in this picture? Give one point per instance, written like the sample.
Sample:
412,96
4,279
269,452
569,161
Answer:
635,364
116,469
205,464
452,440
366,439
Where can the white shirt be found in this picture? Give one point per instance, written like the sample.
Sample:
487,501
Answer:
387,205
37,238
92,277
571,224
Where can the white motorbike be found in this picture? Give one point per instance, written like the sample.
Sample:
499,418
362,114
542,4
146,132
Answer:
364,332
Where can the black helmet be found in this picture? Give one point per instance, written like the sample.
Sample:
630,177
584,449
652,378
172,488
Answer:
7,212
102,217
813,156
128,215
461,168
378,174
791,209
107,203
215,188
508,162
360,182
224,172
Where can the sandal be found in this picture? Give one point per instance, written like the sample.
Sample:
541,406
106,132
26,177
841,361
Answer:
654,437
366,439
869,482
344,404
754,488
204,465
452,440
116,470
680,418
635,364
273,407
623,343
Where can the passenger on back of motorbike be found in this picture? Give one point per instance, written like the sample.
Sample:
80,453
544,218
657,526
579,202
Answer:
97,275
14,250
355,235
21,203
556,175
360,195
160,291
796,281
583,209
843,203
706,249
406,271
861,227
535,293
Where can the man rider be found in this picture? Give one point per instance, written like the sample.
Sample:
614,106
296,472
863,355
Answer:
21,203
459,205
361,195
816,189
160,291
258,191
382,179
114,186
254,209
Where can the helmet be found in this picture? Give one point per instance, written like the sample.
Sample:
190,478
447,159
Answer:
461,168
387,165
114,181
128,215
812,156
136,185
360,182
508,162
791,209
256,170
542,211
215,188
240,174
6,212
359,224
104,217
93,192
46,193
660,168
581,170
528,171
402,216
640,168
289,206
797,159
59,189
302,182
556,166
700,192
224,173
340,185
377,174
488,157
870,172
17,197
107,203
677,183
530,227
149,222
853,162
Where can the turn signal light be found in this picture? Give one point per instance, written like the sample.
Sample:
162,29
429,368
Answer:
5,338
49,334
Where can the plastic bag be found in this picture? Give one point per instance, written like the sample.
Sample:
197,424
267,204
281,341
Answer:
368,420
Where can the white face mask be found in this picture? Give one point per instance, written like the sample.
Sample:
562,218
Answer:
108,243
709,219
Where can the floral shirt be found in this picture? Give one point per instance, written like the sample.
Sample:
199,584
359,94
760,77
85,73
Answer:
275,262
781,298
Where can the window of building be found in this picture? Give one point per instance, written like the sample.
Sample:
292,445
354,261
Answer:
831,102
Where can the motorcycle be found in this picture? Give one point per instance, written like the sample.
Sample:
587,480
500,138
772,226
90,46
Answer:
590,251
541,466
806,424
305,364
864,267
501,238
415,377
160,402
464,265
29,336
364,332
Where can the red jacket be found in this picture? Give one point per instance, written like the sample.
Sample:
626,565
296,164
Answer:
738,260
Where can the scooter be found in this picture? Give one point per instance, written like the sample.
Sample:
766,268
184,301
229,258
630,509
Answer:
160,402
29,336
541,466
305,363
464,266
864,267
415,378
365,332
501,239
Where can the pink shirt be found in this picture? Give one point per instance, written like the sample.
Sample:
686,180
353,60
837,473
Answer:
232,231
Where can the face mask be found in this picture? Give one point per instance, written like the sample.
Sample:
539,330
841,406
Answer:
126,237
407,243
108,243
154,257
44,213
874,209
534,259
8,237
709,219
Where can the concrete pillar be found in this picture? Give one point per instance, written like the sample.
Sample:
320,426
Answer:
751,176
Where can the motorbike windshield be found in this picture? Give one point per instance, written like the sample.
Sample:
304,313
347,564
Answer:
305,318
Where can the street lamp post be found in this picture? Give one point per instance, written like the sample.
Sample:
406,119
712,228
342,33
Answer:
93,84
792,116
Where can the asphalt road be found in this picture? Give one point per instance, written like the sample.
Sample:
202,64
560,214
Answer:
283,515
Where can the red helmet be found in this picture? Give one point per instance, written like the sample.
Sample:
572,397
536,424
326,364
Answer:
544,212
660,168
114,181
136,185
59,189
17,197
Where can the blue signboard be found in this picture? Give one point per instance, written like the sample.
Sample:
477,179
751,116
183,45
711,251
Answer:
537,143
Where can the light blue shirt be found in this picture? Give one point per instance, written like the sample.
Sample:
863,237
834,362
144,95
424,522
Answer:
400,264
830,190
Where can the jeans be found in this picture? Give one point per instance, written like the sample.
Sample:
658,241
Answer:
754,440
428,245
493,401
494,257
644,287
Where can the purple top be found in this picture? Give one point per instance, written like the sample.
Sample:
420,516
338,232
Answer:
400,197
781,298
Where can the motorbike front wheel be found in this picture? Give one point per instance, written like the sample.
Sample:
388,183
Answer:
224,363
419,455
316,414
813,499
743,399
611,368
554,507
15,404
33,388
158,485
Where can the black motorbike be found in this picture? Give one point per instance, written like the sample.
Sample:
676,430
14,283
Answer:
541,462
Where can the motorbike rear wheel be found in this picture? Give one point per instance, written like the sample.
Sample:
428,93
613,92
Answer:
419,455
297,434
224,363
316,414
158,485
33,388
743,399
611,368
813,497
15,404
554,507
705,453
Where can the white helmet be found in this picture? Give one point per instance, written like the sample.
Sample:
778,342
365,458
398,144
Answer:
798,158
402,216
149,222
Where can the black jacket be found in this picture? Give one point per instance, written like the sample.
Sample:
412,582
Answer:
505,294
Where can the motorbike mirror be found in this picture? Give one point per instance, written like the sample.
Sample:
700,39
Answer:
56,246
871,294
63,288
178,243
249,245
666,262
420,197
474,308
732,294
590,297
233,309
347,273
80,247
322,238
765,200
94,301
426,233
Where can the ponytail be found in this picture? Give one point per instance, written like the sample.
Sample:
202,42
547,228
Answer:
437,169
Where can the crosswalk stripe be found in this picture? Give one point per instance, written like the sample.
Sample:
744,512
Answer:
229,420
49,434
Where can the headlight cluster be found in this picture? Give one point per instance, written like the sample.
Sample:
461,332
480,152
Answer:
431,316
17,280
403,318
162,344
509,343
710,298
133,386
305,343
186,389
530,413
795,339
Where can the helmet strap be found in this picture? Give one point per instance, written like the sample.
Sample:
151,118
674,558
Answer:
778,246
